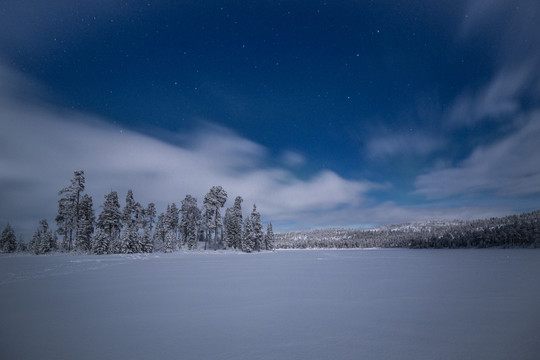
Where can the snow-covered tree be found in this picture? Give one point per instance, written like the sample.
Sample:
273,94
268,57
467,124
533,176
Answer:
258,234
8,240
109,221
159,232
248,240
235,228
190,219
147,243
213,202
269,238
21,245
43,240
129,239
227,226
85,225
69,208
100,243
171,218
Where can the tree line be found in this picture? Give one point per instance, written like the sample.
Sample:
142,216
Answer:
137,229
510,231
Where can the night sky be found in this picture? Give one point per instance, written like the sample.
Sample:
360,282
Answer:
337,113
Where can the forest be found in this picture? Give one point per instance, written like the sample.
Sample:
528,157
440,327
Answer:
135,228
510,231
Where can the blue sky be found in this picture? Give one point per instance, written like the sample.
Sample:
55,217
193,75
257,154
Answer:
342,113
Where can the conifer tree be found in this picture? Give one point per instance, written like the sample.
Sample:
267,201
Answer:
171,226
21,245
69,209
190,218
237,223
269,238
129,239
109,221
85,224
147,244
248,241
213,202
8,241
227,228
100,243
159,232
258,233
43,240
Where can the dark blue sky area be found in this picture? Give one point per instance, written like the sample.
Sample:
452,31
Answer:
400,94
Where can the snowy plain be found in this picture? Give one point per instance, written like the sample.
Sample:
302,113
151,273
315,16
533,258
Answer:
318,304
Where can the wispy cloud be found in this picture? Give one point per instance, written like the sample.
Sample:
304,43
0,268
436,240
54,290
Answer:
411,143
509,167
496,101
41,146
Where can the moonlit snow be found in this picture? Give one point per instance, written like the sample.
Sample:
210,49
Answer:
318,304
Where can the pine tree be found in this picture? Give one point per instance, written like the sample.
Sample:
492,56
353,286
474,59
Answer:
129,239
147,243
269,238
86,224
109,221
43,240
258,233
159,232
237,223
21,245
8,240
190,219
69,209
227,228
213,202
100,243
248,241
171,226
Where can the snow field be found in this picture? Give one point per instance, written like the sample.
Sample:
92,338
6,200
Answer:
318,304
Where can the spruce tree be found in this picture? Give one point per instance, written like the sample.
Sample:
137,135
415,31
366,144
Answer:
147,243
8,240
188,225
258,233
69,207
21,245
43,240
171,227
85,224
237,223
213,202
109,221
100,243
269,238
248,241
159,232
129,238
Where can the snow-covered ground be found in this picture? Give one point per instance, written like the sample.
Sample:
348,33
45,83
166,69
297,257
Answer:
377,304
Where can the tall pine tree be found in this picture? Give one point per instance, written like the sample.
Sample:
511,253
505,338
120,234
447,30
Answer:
8,240
258,233
69,207
109,222
213,202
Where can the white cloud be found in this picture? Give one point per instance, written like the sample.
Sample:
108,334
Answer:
510,167
496,100
42,146
292,158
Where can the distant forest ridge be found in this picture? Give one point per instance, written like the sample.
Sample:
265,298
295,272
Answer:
510,231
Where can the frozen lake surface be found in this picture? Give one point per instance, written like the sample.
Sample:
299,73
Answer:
350,304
